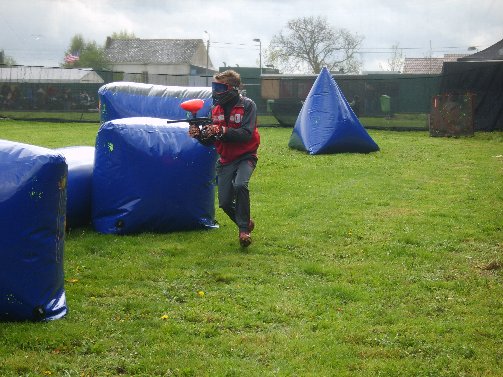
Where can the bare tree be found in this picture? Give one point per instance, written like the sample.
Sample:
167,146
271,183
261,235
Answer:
396,61
310,43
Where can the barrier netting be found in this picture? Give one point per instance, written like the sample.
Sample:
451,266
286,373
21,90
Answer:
65,94
452,115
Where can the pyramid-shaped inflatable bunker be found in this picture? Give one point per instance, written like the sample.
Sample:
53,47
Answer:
327,124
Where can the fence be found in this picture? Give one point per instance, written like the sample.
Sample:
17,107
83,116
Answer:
43,89
375,94
452,115
59,93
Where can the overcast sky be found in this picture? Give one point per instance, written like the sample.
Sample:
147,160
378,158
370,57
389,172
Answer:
37,32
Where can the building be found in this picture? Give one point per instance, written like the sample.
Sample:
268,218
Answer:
428,65
183,62
492,53
481,75
48,75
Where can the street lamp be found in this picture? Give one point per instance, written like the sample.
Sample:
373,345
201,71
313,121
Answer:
260,52
207,56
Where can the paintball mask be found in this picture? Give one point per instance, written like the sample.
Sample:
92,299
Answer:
223,93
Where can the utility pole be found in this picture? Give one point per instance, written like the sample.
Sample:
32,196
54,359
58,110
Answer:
207,57
429,70
260,53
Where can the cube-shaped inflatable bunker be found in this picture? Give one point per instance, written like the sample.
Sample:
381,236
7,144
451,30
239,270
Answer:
130,99
151,177
32,231
80,161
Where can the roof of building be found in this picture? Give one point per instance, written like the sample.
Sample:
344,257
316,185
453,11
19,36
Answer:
48,75
494,52
152,51
428,65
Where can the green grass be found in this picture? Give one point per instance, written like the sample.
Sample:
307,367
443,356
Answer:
86,116
75,116
50,135
397,121
381,264
83,116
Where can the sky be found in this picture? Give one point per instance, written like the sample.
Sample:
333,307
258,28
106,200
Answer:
38,32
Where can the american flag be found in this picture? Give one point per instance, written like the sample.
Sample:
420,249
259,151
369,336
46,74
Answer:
72,58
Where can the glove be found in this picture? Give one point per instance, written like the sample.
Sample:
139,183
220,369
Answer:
213,130
194,131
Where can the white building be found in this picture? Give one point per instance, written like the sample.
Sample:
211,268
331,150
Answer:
48,75
183,62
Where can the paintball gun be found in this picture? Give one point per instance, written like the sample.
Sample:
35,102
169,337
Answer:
193,106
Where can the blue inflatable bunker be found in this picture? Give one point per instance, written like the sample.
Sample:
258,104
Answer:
80,161
150,176
327,124
32,231
128,99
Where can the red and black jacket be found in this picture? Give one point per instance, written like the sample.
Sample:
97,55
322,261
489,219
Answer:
240,136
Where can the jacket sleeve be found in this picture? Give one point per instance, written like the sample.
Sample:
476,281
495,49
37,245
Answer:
245,132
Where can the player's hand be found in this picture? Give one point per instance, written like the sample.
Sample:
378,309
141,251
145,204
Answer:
194,131
213,130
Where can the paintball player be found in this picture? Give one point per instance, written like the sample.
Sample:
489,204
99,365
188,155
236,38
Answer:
235,135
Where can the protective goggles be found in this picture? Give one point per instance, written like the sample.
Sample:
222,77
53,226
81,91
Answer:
218,87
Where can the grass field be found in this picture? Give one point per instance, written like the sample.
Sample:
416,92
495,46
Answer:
381,264
398,121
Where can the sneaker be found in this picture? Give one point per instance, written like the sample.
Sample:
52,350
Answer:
244,239
251,225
